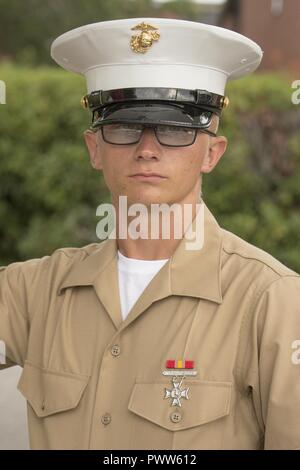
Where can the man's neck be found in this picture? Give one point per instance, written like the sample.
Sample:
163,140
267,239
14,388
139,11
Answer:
168,232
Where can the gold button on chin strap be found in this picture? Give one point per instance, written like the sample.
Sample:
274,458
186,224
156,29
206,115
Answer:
224,102
84,102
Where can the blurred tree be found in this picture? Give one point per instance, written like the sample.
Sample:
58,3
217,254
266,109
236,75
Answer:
27,29
49,193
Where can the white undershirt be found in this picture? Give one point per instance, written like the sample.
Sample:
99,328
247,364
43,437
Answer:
134,276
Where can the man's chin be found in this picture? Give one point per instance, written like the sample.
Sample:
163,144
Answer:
149,201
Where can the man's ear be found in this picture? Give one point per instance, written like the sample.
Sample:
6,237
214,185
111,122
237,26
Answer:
91,141
217,148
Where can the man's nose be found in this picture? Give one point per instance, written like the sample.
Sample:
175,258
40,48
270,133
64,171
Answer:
148,146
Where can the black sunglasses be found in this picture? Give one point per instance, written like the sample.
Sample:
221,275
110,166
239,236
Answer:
170,136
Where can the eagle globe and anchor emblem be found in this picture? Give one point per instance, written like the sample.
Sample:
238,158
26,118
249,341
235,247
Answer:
143,41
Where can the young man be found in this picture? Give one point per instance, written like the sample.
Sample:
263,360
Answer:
151,342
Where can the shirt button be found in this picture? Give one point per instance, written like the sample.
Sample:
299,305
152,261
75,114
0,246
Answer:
106,419
115,350
176,417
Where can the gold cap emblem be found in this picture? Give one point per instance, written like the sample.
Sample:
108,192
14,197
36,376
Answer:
143,41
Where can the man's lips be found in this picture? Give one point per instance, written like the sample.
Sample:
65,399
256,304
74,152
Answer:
148,175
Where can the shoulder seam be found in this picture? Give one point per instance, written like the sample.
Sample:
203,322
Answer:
62,250
254,258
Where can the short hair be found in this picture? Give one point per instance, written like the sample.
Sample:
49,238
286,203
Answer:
214,123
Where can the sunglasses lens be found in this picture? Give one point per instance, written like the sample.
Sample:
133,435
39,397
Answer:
175,136
121,134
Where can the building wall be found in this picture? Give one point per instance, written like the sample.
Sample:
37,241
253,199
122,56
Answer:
274,25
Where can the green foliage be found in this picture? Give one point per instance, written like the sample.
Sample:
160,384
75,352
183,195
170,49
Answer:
27,28
255,189
49,193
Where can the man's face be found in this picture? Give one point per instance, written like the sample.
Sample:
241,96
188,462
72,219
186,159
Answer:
180,167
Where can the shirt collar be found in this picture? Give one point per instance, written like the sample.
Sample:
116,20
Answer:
195,273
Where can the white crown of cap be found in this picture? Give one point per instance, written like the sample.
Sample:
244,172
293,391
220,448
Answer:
187,55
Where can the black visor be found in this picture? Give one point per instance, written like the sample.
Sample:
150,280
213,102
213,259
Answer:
156,113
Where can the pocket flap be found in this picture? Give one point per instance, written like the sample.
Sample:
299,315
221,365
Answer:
50,392
206,402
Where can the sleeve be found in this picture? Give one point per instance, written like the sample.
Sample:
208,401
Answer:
14,324
274,365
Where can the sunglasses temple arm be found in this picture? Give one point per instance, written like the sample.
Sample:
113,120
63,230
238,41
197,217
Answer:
208,132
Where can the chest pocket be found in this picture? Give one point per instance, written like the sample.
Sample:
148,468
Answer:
50,392
207,401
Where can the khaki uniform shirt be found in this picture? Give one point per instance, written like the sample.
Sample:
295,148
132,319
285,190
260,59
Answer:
93,381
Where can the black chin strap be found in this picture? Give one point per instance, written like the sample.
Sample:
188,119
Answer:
199,98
